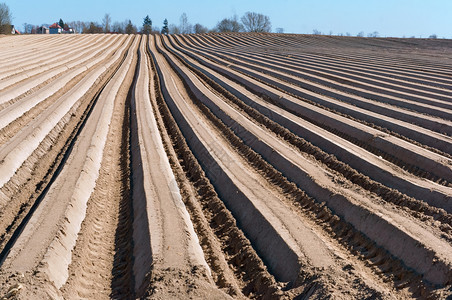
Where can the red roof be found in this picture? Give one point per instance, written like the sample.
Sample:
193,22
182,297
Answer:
55,25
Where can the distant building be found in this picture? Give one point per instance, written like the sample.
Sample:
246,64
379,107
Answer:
55,29
14,30
42,30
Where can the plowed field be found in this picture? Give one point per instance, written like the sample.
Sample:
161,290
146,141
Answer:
225,165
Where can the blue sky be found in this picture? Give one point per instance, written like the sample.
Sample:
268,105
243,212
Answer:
388,17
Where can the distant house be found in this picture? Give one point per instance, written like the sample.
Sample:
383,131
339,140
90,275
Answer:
14,30
42,30
55,28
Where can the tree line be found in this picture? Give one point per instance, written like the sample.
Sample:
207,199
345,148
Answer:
249,22
107,26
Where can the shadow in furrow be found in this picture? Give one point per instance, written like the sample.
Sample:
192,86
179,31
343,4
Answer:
123,279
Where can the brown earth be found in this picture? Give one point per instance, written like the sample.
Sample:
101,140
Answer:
225,166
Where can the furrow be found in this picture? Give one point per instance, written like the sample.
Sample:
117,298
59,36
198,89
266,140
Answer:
18,114
351,206
39,169
308,261
363,161
397,150
327,98
68,196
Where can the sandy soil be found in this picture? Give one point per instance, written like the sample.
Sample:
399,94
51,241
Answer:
225,166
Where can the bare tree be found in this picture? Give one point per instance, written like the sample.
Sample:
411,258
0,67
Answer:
198,28
5,19
229,25
76,25
27,28
173,29
30,28
360,34
279,30
316,32
117,27
80,26
185,27
106,23
85,26
373,34
254,22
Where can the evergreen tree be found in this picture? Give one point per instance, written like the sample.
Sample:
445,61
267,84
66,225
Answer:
130,28
61,23
147,25
165,27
